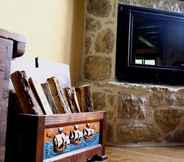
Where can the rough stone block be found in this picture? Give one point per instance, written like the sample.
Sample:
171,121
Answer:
99,101
97,68
99,8
132,107
137,133
105,41
168,119
92,25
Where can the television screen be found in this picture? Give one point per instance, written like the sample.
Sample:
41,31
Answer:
150,45
158,40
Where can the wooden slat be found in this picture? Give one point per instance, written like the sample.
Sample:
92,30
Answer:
40,140
67,119
78,155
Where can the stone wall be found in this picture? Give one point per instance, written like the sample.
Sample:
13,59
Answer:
136,114
141,113
100,39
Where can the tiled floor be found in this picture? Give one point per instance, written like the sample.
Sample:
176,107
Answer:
151,154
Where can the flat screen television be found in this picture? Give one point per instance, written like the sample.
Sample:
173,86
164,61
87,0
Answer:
150,46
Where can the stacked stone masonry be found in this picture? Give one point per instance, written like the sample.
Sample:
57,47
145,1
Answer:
136,114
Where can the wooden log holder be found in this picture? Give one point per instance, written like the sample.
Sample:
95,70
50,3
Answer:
27,134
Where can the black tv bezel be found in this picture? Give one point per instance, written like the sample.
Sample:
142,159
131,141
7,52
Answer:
125,71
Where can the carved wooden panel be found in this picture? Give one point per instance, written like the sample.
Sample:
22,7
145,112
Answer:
61,140
6,47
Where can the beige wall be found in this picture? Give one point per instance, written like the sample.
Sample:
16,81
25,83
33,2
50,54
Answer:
53,28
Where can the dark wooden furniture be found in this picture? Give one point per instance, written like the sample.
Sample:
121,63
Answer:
11,46
27,138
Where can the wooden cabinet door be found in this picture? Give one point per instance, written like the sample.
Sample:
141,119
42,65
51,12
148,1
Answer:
6,49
